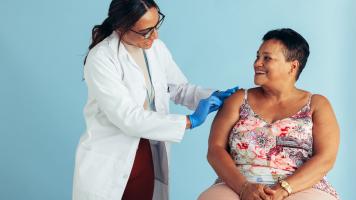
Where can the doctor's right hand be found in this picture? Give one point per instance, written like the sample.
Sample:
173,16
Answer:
205,106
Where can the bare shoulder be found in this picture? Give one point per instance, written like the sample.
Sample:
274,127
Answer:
235,100
254,94
226,118
319,101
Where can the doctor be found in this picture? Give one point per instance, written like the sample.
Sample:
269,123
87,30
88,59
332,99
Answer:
131,76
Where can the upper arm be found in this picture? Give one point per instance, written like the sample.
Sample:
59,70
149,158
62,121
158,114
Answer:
180,91
225,120
326,133
174,75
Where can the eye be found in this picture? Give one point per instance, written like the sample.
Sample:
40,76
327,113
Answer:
145,32
267,58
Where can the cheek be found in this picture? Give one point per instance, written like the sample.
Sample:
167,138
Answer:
146,44
131,39
278,73
274,72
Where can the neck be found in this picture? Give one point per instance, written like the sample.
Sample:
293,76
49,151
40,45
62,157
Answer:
278,94
131,48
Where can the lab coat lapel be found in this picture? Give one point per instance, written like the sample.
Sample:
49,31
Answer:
152,67
123,54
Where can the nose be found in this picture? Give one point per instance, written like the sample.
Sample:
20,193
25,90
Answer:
154,35
258,63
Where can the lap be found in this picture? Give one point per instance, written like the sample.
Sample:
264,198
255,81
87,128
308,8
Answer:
222,191
219,191
311,194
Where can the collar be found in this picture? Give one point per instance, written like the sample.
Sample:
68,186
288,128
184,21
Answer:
120,49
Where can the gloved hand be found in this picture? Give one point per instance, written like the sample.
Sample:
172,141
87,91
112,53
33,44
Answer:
205,106
222,95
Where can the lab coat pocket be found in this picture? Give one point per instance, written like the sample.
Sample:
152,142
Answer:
94,171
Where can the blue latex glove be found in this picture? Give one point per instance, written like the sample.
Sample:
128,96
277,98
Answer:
222,95
204,108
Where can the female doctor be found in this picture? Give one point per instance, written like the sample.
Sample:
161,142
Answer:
131,76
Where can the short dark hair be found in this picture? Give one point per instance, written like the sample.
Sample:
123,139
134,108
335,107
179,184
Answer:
296,47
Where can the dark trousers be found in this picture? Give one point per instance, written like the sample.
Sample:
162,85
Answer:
141,181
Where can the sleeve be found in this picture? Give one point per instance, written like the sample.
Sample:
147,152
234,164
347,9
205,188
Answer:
182,92
105,85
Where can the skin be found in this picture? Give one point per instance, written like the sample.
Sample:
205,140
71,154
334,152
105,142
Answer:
147,21
276,98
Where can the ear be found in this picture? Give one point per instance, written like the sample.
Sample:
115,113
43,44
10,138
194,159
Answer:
294,67
118,31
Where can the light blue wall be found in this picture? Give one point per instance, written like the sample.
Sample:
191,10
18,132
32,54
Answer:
42,45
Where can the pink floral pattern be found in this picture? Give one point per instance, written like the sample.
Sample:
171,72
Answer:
265,152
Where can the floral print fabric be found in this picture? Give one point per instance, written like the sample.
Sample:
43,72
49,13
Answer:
265,152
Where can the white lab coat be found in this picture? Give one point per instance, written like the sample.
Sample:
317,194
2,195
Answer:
116,120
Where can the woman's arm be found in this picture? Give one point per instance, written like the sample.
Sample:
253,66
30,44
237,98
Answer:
220,159
218,156
325,147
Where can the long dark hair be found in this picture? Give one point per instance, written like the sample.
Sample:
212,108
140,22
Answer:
122,15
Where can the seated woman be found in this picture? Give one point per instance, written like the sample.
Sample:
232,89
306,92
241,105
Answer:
274,141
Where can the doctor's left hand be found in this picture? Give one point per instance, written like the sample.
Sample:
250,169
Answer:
205,107
222,95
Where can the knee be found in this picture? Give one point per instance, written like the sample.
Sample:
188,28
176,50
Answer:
217,192
201,197
204,195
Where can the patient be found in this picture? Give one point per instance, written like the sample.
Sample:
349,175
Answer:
274,141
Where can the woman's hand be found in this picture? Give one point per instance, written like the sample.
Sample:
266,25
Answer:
253,191
276,192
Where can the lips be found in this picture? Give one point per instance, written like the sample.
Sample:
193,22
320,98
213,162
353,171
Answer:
260,72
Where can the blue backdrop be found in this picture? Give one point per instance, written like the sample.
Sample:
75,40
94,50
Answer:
43,43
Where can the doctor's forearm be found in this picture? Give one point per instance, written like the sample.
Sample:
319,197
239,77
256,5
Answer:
188,95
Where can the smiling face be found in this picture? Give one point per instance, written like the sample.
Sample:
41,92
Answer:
271,67
143,27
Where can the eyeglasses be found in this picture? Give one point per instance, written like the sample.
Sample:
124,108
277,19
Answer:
148,32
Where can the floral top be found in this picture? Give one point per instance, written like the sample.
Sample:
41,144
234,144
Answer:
265,152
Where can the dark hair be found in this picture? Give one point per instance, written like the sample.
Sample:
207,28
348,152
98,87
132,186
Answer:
122,15
296,47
